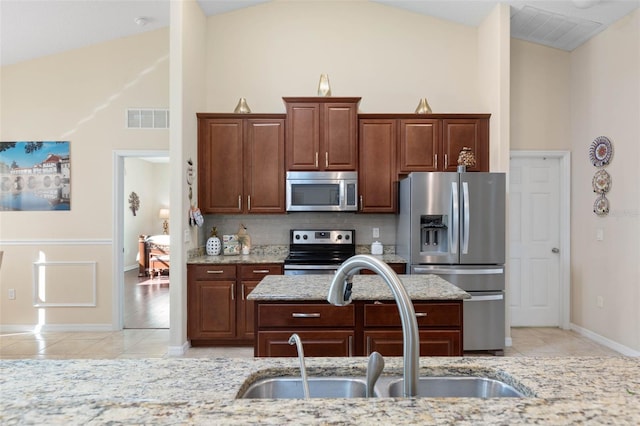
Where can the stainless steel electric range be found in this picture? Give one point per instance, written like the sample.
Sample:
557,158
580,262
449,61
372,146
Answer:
318,251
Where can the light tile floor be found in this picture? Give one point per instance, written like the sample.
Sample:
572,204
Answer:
153,343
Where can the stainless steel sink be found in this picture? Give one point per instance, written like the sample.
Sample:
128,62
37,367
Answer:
319,387
450,386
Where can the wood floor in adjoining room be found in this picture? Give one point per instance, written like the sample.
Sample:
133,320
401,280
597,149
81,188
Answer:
146,301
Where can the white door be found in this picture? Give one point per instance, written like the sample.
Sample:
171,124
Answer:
534,237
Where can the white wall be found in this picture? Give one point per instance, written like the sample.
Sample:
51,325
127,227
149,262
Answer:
80,96
540,97
388,56
605,101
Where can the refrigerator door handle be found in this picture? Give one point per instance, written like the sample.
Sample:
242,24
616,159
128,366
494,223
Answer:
454,226
443,271
484,298
466,215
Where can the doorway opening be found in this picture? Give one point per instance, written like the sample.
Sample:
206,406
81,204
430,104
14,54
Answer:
141,294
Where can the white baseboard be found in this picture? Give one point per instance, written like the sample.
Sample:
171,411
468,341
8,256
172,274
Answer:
178,350
34,328
624,350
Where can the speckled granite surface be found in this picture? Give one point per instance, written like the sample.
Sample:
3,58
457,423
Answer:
203,391
365,287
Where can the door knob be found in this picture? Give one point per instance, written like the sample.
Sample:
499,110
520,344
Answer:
555,250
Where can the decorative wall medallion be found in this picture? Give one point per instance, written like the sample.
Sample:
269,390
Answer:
600,151
134,202
601,206
601,182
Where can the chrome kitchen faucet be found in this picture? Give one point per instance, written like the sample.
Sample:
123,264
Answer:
340,295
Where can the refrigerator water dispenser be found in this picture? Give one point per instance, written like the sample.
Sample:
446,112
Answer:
434,233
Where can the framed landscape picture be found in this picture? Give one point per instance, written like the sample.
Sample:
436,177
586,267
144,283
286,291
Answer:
35,176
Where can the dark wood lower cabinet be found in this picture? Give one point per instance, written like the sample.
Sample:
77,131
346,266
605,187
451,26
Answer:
316,343
357,329
218,310
432,343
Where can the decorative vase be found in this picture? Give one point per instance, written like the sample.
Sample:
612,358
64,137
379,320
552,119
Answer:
324,89
242,107
423,107
213,243
213,246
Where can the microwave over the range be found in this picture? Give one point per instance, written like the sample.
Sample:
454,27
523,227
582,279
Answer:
322,191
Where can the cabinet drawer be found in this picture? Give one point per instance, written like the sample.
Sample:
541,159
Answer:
316,343
212,272
313,315
428,314
432,342
258,271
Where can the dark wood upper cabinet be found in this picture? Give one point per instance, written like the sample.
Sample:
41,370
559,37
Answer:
322,133
419,145
377,176
241,163
458,133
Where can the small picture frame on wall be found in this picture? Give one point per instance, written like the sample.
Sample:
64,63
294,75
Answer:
35,176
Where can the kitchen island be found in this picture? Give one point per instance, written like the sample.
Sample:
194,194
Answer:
286,304
203,391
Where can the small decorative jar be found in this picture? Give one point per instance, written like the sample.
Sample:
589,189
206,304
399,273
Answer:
213,243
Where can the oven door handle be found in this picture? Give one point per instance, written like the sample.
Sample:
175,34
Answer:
307,267
475,298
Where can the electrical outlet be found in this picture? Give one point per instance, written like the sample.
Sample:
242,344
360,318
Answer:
12,294
376,232
600,302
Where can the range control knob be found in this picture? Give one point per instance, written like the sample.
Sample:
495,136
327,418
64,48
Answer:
347,237
304,237
339,237
297,237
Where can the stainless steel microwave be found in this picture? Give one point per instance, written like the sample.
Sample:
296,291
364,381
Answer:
322,191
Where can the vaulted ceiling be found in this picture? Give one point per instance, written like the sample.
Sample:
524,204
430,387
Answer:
30,29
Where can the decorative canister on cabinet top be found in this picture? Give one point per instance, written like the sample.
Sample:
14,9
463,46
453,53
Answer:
213,243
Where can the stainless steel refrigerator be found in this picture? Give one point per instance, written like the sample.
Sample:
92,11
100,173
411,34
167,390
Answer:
453,225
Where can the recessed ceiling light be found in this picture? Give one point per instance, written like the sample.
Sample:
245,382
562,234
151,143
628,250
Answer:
140,21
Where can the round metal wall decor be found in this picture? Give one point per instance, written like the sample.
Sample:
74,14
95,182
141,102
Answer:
601,206
600,151
601,182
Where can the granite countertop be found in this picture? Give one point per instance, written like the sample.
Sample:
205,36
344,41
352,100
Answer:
603,390
365,287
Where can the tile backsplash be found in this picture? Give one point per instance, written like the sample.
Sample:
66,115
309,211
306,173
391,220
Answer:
274,229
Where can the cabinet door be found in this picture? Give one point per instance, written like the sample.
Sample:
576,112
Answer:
465,132
303,136
316,343
419,145
339,143
249,277
246,311
220,165
212,310
377,178
432,342
264,182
